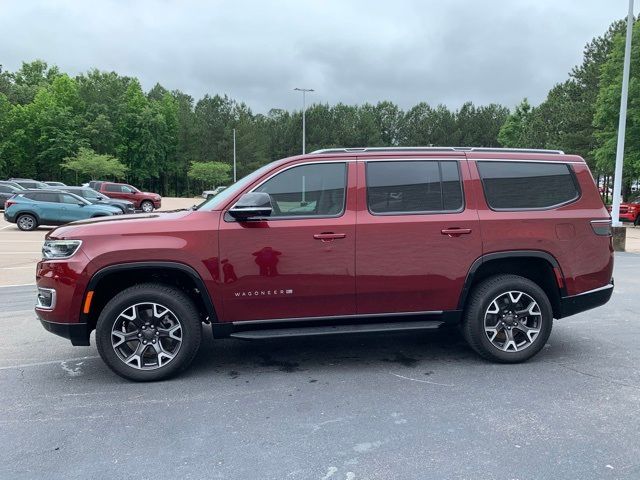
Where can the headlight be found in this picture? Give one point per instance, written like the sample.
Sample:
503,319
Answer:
53,249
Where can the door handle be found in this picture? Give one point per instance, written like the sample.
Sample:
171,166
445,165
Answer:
455,231
328,236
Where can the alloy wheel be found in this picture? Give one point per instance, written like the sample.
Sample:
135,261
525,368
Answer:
147,207
513,321
146,336
26,222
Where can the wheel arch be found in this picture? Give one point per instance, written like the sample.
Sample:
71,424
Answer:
110,280
539,266
28,212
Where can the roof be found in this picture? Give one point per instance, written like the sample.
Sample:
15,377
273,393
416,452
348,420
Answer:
437,149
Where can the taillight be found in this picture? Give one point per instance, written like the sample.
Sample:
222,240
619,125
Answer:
601,227
8,203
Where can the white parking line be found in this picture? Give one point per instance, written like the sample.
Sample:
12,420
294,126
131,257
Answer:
17,268
52,362
19,285
6,227
16,253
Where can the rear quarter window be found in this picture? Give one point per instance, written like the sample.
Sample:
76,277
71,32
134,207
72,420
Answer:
527,185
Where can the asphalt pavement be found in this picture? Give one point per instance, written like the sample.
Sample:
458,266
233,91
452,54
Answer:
403,406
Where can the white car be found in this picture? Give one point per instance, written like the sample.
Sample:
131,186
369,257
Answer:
212,193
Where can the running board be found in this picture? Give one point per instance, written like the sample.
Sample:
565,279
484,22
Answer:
337,330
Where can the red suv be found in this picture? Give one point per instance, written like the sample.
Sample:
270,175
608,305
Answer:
499,242
144,201
630,211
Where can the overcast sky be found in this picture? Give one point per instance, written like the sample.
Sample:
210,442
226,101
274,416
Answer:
438,51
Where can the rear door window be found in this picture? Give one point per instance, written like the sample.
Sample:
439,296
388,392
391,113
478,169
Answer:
416,186
42,197
110,187
527,185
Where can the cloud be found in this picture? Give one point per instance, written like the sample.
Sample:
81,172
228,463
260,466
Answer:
406,51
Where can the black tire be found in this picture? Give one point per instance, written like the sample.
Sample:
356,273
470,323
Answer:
149,206
478,304
27,222
177,302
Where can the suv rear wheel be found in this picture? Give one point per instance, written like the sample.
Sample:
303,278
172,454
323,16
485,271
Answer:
27,222
147,206
148,332
508,319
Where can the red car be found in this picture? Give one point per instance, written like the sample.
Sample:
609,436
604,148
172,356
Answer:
144,201
340,241
630,211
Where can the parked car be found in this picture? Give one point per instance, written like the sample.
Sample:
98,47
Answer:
630,211
97,198
144,201
13,184
340,241
56,184
95,184
212,193
32,208
6,192
29,183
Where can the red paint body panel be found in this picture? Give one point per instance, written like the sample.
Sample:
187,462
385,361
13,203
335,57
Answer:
404,263
377,264
277,269
585,259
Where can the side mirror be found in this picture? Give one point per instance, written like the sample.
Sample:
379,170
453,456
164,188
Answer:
252,206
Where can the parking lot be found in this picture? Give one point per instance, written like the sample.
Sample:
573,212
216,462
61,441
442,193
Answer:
361,407
20,251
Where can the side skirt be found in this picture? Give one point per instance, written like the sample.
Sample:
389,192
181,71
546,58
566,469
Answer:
298,327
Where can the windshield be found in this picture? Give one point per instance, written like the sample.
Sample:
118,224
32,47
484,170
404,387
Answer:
91,193
215,203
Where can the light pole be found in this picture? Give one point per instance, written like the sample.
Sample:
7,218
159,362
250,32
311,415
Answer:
234,155
622,122
304,126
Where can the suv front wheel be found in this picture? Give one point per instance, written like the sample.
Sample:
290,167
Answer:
147,206
508,319
148,332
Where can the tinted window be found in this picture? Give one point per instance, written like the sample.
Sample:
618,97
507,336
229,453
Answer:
110,187
516,185
7,189
43,197
415,186
306,190
66,198
87,193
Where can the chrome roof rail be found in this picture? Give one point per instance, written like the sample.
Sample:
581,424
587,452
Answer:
437,149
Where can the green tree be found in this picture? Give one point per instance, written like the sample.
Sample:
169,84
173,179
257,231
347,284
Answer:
515,131
607,109
90,165
211,174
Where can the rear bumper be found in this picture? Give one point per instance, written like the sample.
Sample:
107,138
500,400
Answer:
78,333
585,301
628,217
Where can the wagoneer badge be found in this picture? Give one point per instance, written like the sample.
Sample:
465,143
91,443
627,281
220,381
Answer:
264,293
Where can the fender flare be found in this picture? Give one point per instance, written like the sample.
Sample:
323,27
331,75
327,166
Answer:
505,254
190,271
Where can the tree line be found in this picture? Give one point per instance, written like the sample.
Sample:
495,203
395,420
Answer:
56,126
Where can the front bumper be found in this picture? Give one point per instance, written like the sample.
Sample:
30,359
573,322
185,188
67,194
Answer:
78,333
585,301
